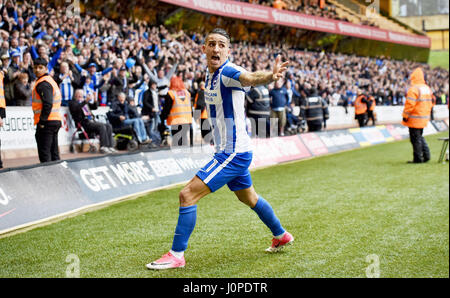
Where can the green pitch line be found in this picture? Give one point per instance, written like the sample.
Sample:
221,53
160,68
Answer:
358,213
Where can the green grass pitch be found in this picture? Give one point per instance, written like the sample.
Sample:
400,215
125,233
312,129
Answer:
439,58
353,214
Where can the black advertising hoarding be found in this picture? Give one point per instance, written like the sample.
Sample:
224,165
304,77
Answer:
122,175
31,195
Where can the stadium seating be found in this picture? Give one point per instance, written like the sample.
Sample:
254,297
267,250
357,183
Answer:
345,10
356,13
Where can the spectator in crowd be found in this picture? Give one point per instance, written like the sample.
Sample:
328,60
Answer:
279,99
314,109
96,81
89,87
26,66
12,75
293,121
120,84
120,109
5,62
140,85
80,110
258,109
162,79
64,80
151,109
22,90
133,110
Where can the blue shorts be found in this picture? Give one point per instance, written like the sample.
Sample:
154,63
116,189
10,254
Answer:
227,168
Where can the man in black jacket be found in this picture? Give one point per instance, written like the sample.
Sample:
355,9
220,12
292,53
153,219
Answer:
119,83
151,110
121,112
46,102
313,109
80,109
258,109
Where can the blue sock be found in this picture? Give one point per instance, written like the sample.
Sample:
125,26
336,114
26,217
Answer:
268,217
185,226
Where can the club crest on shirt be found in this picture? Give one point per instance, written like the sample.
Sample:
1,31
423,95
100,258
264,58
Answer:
214,82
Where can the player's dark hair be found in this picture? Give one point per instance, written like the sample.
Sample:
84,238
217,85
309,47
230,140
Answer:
221,32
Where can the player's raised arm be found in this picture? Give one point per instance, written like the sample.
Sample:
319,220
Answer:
264,77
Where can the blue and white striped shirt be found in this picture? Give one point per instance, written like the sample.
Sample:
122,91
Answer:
66,88
225,98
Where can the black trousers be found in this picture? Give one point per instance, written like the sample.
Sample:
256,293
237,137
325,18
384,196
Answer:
421,151
361,119
104,130
47,141
314,126
206,130
370,116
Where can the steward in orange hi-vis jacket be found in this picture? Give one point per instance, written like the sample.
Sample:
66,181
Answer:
177,110
46,102
416,114
371,114
361,106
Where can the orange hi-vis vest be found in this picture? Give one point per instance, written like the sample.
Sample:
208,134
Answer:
2,92
360,107
204,114
419,102
36,103
181,112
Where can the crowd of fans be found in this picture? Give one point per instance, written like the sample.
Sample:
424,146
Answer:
105,58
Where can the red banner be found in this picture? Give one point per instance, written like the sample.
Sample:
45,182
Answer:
259,13
314,143
275,150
